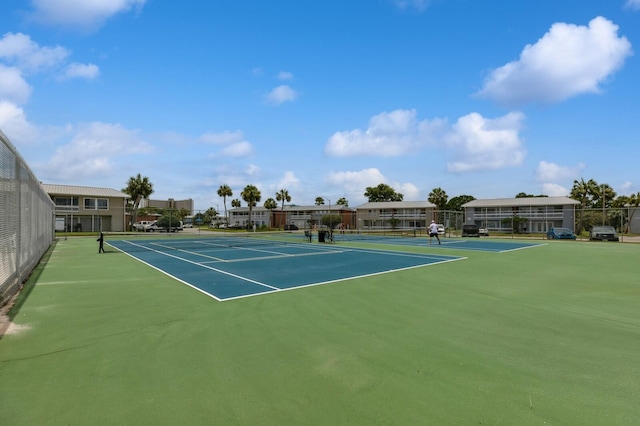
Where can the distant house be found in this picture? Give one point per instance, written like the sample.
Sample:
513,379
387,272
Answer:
300,216
405,214
534,214
83,208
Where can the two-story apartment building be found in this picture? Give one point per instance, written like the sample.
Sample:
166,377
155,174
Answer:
82,208
535,214
404,214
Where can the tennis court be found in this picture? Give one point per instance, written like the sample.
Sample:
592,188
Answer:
228,268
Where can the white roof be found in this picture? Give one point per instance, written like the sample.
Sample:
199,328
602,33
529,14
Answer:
87,191
522,202
396,205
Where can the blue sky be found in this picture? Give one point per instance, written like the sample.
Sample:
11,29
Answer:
324,98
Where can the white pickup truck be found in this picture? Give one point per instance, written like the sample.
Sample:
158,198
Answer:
153,226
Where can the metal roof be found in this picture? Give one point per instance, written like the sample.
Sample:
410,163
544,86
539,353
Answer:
86,191
522,202
396,205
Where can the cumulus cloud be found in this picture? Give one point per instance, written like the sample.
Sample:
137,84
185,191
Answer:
551,172
13,87
92,150
281,94
285,75
82,14
355,181
19,50
86,71
479,143
14,124
289,180
231,144
24,56
633,4
390,134
567,61
419,5
554,190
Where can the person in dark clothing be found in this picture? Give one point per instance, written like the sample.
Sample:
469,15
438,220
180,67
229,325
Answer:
101,241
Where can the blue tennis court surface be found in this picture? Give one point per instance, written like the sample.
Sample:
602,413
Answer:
225,271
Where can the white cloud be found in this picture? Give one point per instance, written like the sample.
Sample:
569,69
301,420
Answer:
13,87
82,14
567,61
356,181
19,50
285,75
388,135
14,124
419,5
633,4
551,172
478,143
409,190
86,71
554,190
281,94
28,57
92,152
232,144
288,181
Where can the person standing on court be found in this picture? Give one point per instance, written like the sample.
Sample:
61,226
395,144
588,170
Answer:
433,231
101,241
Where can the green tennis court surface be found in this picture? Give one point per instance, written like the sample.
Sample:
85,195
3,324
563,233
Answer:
230,268
549,335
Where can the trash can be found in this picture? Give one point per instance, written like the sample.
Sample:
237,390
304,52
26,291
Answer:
321,235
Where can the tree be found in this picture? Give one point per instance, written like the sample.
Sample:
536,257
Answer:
583,192
283,195
270,205
319,201
235,203
225,191
342,202
456,203
251,195
382,192
138,187
438,197
525,195
210,215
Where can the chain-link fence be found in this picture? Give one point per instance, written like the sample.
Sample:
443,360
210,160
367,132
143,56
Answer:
625,220
26,220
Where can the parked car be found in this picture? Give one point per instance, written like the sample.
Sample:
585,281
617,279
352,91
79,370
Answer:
151,226
603,233
290,227
560,234
483,231
470,230
139,226
440,229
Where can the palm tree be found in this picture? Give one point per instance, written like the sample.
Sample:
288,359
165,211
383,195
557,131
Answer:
138,187
319,201
225,191
270,205
251,195
342,202
438,197
235,203
583,192
283,195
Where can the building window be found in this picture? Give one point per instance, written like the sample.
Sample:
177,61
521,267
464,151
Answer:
96,204
66,201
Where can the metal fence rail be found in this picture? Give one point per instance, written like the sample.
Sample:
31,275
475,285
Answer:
26,220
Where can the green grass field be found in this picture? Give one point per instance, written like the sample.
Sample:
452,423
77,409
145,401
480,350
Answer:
548,335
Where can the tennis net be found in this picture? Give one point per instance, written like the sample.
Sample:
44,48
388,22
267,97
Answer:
208,241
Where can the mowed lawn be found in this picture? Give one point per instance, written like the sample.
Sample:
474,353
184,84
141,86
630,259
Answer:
546,335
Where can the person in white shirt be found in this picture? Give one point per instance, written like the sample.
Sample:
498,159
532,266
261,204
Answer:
433,231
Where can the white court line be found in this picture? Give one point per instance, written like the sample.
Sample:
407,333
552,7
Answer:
197,264
342,279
